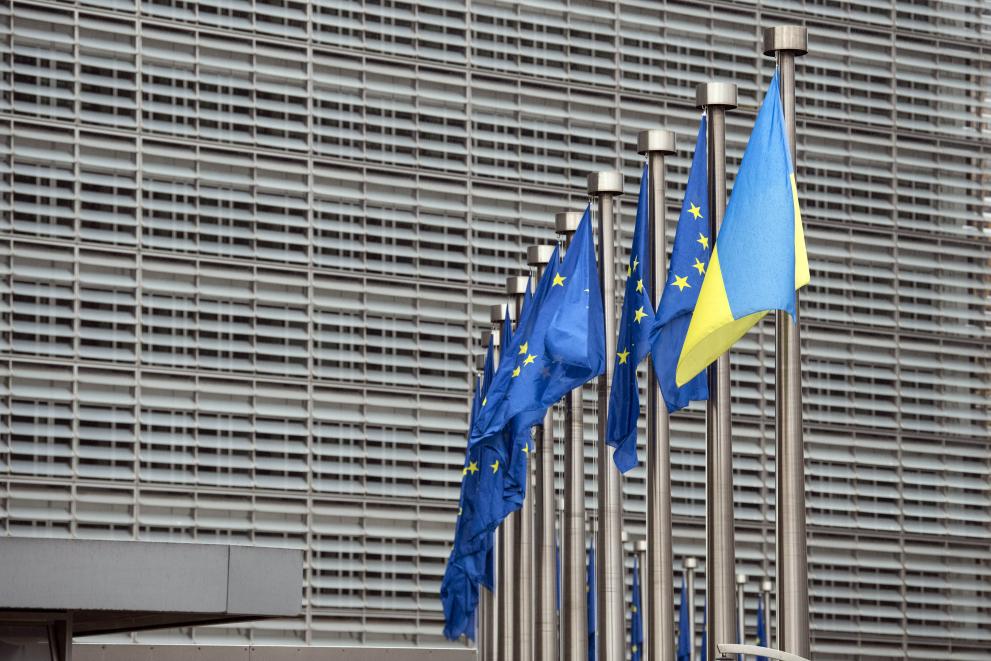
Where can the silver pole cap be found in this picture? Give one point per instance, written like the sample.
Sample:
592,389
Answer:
625,537
610,181
494,334
516,285
721,95
656,140
498,312
691,563
560,504
767,586
539,255
642,545
741,579
792,38
566,222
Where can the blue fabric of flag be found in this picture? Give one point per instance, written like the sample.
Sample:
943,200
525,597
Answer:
686,271
590,600
633,344
684,652
559,343
636,617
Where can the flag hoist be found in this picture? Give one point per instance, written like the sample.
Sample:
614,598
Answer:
785,43
658,566
574,625
610,634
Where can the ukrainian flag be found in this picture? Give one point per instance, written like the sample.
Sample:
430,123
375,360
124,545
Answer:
759,258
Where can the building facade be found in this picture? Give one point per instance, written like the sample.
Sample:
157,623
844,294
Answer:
247,249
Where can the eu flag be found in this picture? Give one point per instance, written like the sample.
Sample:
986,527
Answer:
759,259
517,435
590,599
636,618
633,343
686,269
684,625
761,637
558,345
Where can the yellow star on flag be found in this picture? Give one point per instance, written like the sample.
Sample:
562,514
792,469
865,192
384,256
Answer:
681,282
623,355
529,359
472,467
639,314
495,466
699,266
640,286
516,372
695,210
558,280
526,448
636,262
485,401
704,240
523,348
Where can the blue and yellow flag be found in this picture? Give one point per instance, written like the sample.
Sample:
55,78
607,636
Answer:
633,343
684,652
558,345
759,259
636,617
686,270
761,638
590,599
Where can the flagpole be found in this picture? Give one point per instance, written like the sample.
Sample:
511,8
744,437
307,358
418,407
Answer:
787,42
486,600
690,565
741,613
643,551
510,586
659,564
766,587
610,636
574,618
717,98
545,626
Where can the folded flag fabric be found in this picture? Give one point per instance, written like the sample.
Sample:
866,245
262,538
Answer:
759,259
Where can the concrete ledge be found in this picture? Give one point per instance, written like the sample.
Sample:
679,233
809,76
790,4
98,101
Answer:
82,652
107,587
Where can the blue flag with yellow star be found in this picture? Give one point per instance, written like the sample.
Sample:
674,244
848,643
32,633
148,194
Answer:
633,344
759,260
558,345
689,260
636,618
684,652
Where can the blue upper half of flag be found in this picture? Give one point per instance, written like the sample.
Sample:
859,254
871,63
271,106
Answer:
684,625
558,345
633,343
686,271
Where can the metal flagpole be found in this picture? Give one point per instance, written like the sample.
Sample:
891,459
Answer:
486,601
510,585
787,42
766,588
643,551
610,636
741,613
574,618
720,565
690,565
545,625
658,606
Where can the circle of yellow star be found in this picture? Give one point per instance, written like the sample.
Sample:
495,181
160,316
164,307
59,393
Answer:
704,240
695,210
529,359
699,266
558,280
681,282
639,314
623,355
